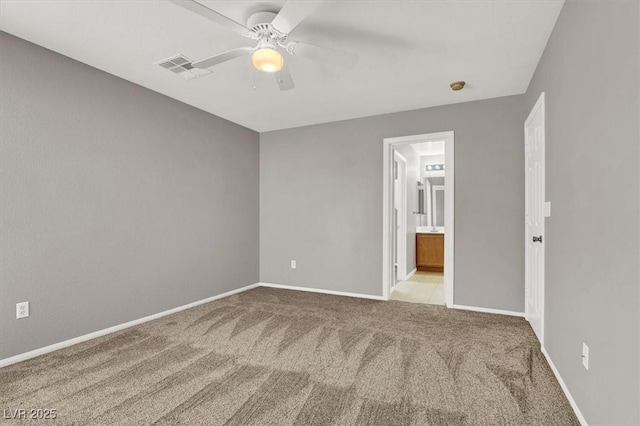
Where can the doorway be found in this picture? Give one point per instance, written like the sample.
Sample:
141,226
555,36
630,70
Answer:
426,193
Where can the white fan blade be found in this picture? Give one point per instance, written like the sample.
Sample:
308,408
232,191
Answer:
223,57
292,13
284,80
212,15
325,54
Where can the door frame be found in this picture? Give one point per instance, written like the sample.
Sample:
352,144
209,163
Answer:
401,237
387,209
539,106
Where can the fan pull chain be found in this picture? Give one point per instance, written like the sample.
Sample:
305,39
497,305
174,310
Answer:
253,75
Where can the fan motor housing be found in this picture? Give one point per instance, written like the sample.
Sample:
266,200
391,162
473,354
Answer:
260,21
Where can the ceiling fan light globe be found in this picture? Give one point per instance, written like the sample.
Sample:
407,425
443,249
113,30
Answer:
267,59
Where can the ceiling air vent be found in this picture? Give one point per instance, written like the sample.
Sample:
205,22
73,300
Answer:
181,65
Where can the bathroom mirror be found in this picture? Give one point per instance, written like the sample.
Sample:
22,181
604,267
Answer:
434,200
437,201
421,202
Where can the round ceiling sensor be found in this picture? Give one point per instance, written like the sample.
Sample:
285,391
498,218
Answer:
457,85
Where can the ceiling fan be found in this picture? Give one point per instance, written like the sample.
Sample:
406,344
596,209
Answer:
270,31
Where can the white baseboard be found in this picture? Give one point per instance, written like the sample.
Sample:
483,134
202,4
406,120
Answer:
41,351
318,290
489,310
409,275
576,410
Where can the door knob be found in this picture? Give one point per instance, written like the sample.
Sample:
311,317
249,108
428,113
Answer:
537,239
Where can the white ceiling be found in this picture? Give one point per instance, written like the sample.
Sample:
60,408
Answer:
409,52
428,148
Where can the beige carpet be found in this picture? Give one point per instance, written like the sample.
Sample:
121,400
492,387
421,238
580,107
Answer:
279,357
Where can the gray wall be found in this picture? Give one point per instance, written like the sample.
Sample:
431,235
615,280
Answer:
413,176
321,201
116,202
589,73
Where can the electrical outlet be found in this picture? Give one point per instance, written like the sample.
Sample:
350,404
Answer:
547,209
22,310
585,356
293,264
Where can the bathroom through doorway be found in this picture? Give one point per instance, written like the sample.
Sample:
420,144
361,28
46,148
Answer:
418,222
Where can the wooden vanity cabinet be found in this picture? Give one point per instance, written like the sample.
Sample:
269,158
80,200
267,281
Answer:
430,252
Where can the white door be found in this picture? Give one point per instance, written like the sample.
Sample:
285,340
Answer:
534,135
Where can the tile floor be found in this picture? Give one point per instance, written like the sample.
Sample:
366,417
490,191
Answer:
421,287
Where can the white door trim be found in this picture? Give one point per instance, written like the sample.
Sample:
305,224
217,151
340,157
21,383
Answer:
402,219
387,209
538,107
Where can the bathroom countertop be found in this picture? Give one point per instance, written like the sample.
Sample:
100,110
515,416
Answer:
429,230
